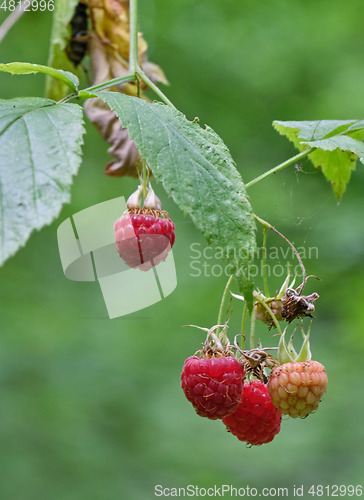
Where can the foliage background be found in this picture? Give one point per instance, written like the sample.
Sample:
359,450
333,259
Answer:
91,408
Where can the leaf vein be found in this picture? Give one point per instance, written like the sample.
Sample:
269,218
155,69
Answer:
32,166
64,147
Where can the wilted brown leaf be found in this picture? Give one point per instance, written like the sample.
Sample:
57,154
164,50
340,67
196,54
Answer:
109,55
123,149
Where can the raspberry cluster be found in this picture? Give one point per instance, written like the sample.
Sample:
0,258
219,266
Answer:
215,387
238,391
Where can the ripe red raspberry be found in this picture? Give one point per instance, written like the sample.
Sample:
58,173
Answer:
256,420
143,240
213,385
297,388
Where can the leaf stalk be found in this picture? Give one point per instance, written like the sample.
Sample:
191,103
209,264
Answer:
134,38
266,224
223,299
279,167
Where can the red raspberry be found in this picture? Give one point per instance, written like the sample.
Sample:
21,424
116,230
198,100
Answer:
256,420
143,241
213,385
297,388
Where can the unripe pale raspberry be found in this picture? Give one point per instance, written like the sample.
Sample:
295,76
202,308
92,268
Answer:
143,240
256,421
263,315
297,388
213,385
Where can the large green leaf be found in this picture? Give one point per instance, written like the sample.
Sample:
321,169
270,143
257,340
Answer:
61,17
336,144
196,169
40,146
20,68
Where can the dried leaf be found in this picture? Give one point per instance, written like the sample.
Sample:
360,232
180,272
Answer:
123,149
110,21
109,54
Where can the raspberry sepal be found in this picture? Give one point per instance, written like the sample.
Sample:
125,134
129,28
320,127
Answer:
287,353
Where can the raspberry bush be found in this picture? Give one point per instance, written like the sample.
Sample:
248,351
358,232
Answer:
247,388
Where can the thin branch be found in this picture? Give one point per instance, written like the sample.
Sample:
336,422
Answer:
11,20
154,87
103,86
223,299
265,277
252,329
134,37
269,226
243,320
279,167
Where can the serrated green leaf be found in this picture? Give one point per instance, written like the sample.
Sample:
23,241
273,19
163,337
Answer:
342,142
21,68
357,126
312,130
61,17
336,144
40,147
336,159
196,169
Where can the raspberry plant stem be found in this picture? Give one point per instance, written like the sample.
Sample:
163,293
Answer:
279,167
136,72
12,18
145,180
134,66
243,320
223,299
107,85
134,35
154,87
252,329
269,226
264,257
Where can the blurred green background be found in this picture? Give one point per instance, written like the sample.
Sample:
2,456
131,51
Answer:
91,408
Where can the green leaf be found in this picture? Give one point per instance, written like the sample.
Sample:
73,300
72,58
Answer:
20,68
336,144
196,169
61,17
40,147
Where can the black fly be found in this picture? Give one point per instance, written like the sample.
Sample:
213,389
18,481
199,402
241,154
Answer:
78,42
